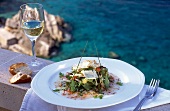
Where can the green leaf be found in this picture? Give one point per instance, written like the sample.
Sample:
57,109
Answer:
68,77
74,71
103,71
80,84
87,86
61,75
106,81
56,90
95,96
119,83
100,96
73,86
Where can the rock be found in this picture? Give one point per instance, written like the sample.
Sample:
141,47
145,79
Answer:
56,32
6,38
14,22
143,59
43,49
54,51
20,49
56,27
59,20
113,55
134,63
67,37
67,27
2,21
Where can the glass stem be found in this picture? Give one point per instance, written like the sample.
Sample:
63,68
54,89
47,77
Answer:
33,51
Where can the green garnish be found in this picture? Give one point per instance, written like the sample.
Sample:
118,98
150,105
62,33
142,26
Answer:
106,81
73,86
95,96
56,90
87,86
68,77
61,75
119,83
100,96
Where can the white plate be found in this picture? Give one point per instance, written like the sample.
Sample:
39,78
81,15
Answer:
133,82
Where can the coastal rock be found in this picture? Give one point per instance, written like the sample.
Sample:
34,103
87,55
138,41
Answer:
142,58
20,49
56,32
6,38
134,62
2,21
13,23
113,55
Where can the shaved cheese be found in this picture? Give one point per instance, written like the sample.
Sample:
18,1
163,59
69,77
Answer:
90,74
86,64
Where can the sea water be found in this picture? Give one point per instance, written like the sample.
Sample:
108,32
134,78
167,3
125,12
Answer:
137,30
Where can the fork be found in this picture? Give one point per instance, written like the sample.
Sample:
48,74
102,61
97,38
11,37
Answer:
150,93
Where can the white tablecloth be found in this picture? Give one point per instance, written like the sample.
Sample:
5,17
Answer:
32,102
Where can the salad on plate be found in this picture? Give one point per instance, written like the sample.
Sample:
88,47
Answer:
86,80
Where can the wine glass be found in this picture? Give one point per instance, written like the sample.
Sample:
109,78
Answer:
32,23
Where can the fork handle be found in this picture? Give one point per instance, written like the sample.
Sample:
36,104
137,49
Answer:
138,107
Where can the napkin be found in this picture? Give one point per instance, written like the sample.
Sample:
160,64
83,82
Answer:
32,102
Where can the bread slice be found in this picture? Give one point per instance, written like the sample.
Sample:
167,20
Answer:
20,78
20,67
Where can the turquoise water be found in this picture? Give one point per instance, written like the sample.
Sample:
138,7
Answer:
137,30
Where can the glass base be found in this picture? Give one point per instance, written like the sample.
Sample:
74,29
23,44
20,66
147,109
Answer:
36,66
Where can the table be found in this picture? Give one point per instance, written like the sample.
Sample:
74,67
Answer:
11,95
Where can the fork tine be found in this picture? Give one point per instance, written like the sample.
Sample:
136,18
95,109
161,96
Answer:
157,85
154,85
151,82
149,85
158,82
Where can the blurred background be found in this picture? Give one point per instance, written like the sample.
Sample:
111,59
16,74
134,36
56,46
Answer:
135,31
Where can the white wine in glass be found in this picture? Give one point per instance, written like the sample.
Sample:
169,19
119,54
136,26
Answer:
33,29
32,23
